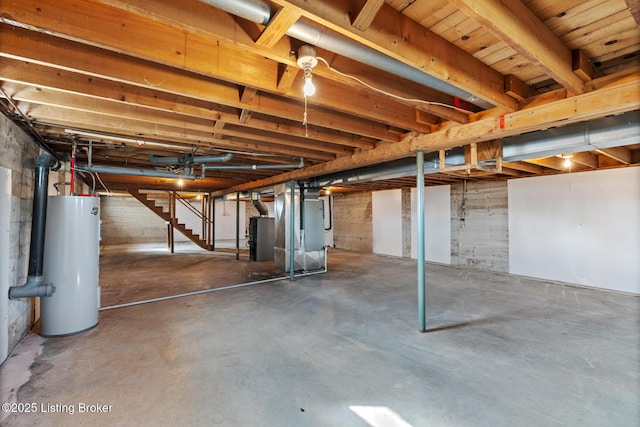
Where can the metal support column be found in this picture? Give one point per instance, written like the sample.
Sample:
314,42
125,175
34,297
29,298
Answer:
421,238
212,225
203,223
237,226
172,213
292,229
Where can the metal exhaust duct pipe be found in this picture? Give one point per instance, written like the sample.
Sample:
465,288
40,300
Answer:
259,12
343,46
254,11
35,286
256,167
258,204
188,158
135,172
251,167
608,132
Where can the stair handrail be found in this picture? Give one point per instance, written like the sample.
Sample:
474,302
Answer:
207,222
185,202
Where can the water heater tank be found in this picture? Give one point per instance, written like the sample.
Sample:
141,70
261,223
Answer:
71,257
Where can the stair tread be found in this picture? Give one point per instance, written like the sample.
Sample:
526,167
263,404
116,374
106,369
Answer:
159,210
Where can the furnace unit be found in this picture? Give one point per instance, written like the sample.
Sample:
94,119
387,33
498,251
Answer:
261,238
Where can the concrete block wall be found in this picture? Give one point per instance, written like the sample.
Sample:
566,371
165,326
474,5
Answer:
406,223
17,155
480,225
353,221
125,220
479,231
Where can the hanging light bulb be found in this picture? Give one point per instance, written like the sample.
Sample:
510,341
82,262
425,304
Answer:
567,160
309,89
307,61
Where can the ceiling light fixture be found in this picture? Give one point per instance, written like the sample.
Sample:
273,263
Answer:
567,160
307,60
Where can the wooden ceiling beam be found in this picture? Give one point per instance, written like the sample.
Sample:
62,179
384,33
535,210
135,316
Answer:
612,97
620,154
120,182
24,45
367,13
43,82
190,16
105,111
247,93
524,167
104,26
95,23
517,88
403,39
35,102
277,27
170,134
587,159
286,77
554,163
426,99
515,24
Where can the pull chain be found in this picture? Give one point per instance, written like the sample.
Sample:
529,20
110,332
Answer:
304,118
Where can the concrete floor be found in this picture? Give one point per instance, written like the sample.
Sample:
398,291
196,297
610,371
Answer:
337,349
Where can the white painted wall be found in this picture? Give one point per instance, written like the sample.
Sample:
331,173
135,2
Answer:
387,222
437,223
581,228
5,223
189,219
225,219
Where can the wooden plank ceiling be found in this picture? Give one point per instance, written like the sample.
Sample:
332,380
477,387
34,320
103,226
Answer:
133,78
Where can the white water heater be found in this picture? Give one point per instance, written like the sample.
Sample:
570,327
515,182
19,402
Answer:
71,258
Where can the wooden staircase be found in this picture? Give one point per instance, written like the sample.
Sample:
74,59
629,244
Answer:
159,210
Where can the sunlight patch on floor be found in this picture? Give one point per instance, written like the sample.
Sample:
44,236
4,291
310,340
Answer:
379,416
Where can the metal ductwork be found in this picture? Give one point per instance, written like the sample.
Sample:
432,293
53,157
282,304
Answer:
608,132
189,159
258,204
396,169
136,172
188,175
252,10
259,12
205,168
35,286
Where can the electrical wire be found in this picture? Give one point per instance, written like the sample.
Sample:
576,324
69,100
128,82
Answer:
305,123
29,123
392,95
93,178
102,183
